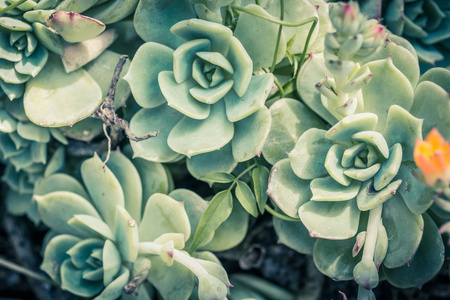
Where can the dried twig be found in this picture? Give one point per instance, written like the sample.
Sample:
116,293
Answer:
107,113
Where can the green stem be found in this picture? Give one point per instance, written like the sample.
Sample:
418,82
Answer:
280,31
242,174
24,271
363,294
278,215
9,7
280,87
308,38
372,232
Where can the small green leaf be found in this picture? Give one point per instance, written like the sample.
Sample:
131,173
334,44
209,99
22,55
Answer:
260,179
217,161
72,281
220,177
80,252
115,288
245,196
215,214
91,227
111,262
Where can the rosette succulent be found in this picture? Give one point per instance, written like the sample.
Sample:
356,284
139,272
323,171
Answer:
362,210
116,231
425,23
29,31
201,96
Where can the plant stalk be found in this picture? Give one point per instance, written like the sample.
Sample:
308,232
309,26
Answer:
24,271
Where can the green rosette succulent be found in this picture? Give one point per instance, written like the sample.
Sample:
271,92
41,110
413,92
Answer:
424,23
201,97
118,231
362,210
29,31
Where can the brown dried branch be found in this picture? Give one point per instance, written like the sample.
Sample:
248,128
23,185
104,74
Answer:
107,113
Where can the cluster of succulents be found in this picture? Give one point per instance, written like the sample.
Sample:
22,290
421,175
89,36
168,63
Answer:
310,111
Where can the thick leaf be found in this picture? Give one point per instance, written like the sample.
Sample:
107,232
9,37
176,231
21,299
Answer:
308,156
215,214
290,118
54,98
111,262
7,123
163,214
388,86
111,12
231,232
154,177
250,135
72,281
431,103
74,27
194,205
404,230
426,263
294,235
32,132
126,232
327,189
330,220
161,119
238,108
85,130
55,254
403,128
245,196
103,187
217,161
149,60
191,137
48,38
56,163
344,130
287,190
129,179
79,54
80,252
34,63
334,258
153,20
115,288
91,227
56,208
175,282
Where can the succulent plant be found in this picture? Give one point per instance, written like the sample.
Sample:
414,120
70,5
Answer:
361,208
204,91
107,238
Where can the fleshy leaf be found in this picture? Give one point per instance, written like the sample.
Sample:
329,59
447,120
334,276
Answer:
238,108
80,252
161,119
290,118
343,131
91,226
426,263
74,27
328,189
308,157
129,179
55,254
111,262
163,214
32,132
48,38
404,230
294,235
54,98
368,198
330,220
150,59
59,182
115,288
250,135
260,179
126,232
34,63
217,161
287,190
191,137
72,281
403,128
103,187
56,208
